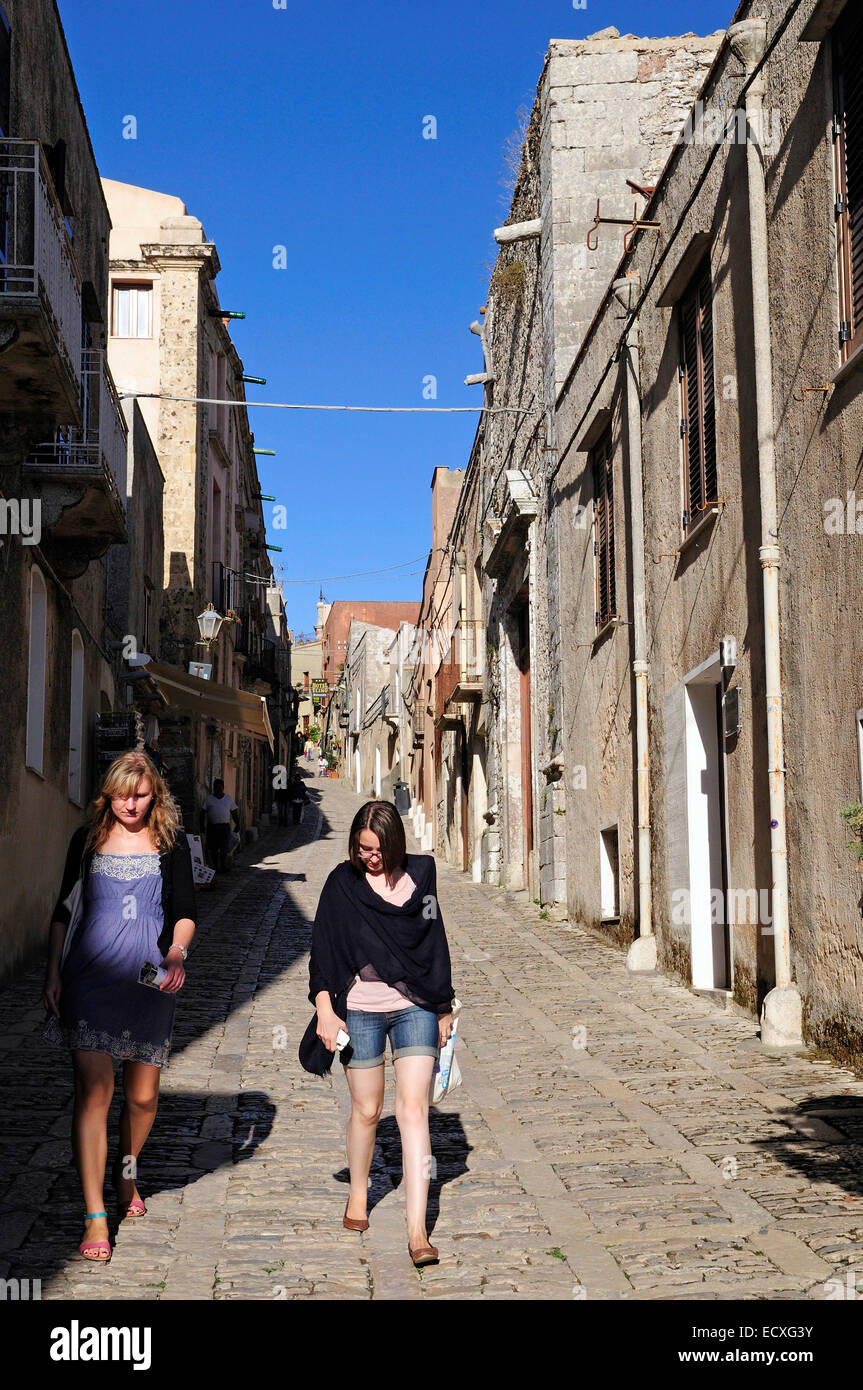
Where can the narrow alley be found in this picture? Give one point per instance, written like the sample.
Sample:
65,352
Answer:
616,1136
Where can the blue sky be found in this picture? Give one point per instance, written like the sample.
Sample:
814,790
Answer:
303,128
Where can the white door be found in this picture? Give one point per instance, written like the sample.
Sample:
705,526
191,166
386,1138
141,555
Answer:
705,815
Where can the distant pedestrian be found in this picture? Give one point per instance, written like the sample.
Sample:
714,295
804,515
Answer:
127,901
299,797
282,798
322,766
219,810
380,967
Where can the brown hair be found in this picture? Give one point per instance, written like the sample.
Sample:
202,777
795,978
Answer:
382,818
122,779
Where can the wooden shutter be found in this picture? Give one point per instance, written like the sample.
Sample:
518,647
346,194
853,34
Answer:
848,145
697,398
603,542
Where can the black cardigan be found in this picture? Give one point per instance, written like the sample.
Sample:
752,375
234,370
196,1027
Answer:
178,883
405,945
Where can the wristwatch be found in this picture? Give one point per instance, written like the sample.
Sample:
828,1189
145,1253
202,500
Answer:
177,947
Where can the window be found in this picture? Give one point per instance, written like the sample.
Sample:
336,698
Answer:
602,466
848,146
36,671
76,718
697,401
132,311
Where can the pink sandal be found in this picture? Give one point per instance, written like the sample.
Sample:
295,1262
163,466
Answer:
135,1208
102,1246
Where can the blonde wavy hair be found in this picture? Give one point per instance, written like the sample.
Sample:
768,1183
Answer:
121,779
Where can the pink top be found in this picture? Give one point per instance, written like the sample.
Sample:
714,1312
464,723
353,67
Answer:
373,996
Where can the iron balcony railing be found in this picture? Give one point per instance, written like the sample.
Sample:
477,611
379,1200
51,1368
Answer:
460,673
36,256
226,589
97,445
268,657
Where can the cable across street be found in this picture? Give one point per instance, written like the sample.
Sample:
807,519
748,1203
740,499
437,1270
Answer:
362,409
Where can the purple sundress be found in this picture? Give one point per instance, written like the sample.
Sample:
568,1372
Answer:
103,1008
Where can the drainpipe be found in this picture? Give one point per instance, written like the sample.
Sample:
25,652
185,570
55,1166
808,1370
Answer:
782,1010
642,952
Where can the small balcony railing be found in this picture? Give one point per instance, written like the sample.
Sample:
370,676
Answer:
36,256
226,589
459,677
98,445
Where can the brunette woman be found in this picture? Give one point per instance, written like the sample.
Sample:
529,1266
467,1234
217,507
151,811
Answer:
137,901
379,969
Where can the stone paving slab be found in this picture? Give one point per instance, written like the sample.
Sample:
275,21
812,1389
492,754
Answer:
616,1136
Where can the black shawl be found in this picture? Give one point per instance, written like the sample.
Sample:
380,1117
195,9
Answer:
354,927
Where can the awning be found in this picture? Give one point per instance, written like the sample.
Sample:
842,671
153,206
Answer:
214,701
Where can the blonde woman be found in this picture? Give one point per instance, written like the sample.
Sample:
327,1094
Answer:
138,906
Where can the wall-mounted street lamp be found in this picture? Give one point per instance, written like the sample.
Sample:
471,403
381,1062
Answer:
209,626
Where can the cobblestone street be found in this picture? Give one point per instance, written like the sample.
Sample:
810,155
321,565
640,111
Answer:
668,1157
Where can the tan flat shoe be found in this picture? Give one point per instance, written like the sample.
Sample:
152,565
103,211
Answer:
424,1255
350,1224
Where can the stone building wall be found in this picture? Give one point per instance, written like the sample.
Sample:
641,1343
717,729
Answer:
35,810
131,568
611,109
712,587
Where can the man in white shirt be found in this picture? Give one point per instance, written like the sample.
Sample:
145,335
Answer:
219,810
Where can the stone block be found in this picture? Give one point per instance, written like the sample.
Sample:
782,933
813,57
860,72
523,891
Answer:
586,123
633,156
590,69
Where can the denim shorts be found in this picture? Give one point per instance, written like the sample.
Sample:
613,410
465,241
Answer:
413,1032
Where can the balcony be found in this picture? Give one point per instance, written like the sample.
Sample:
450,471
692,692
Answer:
225,589
80,474
40,292
459,678
261,663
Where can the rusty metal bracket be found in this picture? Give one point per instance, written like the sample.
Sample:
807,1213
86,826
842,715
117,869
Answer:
633,225
826,389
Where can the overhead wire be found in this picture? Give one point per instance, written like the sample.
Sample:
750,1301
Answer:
361,409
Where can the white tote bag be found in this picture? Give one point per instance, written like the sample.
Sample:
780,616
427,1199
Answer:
447,1073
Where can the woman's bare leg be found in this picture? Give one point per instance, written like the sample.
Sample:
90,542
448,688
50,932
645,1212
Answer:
413,1078
141,1089
366,1085
94,1088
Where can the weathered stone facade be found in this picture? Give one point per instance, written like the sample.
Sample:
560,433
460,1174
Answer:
607,110
713,826
212,517
58,674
